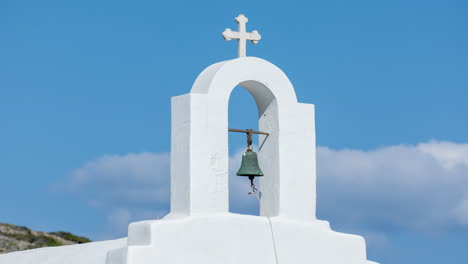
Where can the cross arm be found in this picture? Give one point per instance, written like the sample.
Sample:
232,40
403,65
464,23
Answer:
228,34
254,36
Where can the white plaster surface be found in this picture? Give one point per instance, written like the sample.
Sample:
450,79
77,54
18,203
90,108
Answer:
199,228
89,253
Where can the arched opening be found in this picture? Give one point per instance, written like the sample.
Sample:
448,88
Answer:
252,105
242,114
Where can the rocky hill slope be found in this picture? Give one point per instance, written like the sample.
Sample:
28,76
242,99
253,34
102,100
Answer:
15,238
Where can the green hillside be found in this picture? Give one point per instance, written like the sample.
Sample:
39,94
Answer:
15,238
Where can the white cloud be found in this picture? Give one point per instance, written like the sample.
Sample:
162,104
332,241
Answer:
142,177
128,188
422,187
418,187
449,154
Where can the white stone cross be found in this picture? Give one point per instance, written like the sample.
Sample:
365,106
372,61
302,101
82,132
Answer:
242,36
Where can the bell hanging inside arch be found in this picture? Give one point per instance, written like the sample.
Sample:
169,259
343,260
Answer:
249,166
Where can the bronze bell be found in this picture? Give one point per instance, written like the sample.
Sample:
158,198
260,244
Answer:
249,166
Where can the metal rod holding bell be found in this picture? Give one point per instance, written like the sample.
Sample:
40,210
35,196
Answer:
249,165
247,131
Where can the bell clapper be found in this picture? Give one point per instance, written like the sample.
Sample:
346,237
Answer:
252,185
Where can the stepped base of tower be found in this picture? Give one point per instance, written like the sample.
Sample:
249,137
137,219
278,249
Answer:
234,238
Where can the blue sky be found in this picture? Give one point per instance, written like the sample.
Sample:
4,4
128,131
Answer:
85,90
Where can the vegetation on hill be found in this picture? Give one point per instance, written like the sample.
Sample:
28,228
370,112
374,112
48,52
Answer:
71,237
15,238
